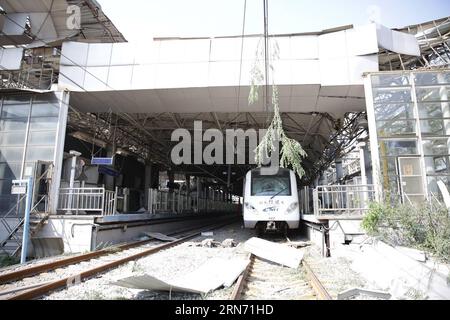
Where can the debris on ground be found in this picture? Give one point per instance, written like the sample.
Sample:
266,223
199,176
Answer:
229,243
398,271
275,252
355,292
299,244
209,243
207,234
213,274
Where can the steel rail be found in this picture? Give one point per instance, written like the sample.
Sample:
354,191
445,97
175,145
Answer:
318,287
315,283
69,281
30,271
45,267
242,280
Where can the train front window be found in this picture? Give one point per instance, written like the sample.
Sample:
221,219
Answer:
276,185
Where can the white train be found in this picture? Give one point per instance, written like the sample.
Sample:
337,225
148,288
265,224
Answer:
271,201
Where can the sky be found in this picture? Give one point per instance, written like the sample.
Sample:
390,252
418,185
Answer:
140,19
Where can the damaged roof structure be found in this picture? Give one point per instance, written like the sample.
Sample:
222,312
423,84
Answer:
134,95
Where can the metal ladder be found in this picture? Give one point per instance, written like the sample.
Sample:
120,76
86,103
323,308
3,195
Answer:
12,244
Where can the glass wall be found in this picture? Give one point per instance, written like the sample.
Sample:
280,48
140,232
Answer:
412,120
28,125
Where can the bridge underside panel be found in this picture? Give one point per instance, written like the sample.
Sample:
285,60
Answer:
148,136
336,100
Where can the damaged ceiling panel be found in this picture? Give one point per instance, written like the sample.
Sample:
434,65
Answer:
29,22
213,274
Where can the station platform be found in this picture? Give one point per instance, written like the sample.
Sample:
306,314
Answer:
67,234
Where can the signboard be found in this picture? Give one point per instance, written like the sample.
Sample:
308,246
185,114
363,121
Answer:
102,161
16,189
108,171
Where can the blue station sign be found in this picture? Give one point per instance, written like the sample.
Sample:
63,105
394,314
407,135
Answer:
102,161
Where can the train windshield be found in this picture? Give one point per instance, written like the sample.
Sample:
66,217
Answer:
274,185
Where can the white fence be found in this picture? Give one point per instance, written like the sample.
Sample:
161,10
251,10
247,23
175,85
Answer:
177,202
343,201
90,200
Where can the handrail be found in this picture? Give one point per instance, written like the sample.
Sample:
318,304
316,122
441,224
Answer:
177,202
343,200
87,199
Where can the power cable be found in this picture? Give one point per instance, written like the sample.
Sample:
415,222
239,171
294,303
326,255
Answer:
241,59
266,57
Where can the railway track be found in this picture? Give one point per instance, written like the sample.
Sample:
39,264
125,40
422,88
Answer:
268,281
101,261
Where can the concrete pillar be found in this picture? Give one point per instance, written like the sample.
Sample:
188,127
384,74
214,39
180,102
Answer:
362,163
188,184
339,170
147,182
197,193
110,181
171,176
368,164
73,167
59,152
154,179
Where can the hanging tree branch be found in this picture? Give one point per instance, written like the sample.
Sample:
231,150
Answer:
291,151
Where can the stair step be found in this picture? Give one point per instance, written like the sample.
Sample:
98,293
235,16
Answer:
9,248
12,241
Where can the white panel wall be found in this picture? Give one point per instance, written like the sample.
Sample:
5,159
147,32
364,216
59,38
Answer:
225,49
362,40
338,58
99,54
333,45
397,41
305,48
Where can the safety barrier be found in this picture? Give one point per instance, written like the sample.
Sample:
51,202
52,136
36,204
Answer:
74,200
343,201
175,201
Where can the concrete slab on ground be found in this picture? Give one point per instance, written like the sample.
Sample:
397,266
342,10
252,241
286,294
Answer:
401,275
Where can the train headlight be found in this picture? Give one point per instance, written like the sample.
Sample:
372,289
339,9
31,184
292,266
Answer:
292,207
249,207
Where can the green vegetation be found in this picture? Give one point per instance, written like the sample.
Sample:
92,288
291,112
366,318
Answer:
423,226
6,261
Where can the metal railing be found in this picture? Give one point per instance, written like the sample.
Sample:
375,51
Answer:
178,202
343,201
29,78
12,228
74,200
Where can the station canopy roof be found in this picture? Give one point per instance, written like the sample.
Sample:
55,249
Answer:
27,22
